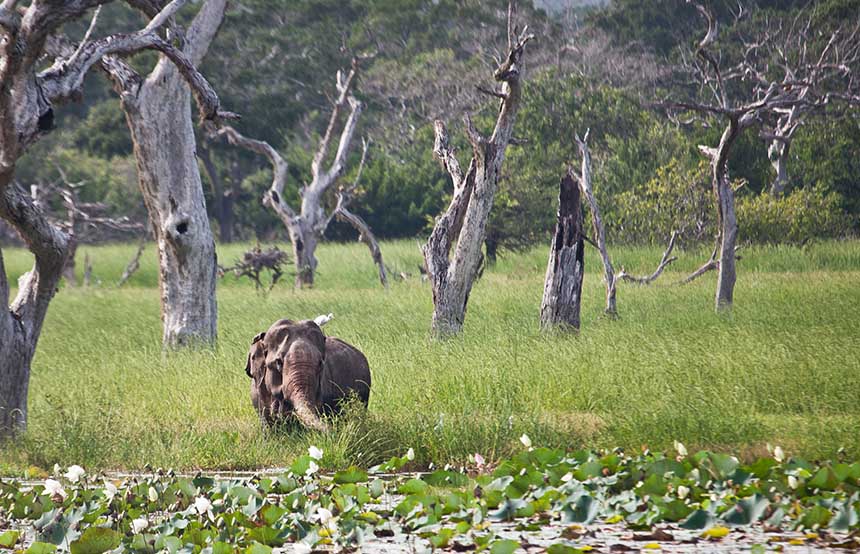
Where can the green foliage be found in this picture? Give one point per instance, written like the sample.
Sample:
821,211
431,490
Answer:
797,218
678,199
533,489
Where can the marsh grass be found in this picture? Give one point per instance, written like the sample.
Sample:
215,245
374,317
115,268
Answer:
783,368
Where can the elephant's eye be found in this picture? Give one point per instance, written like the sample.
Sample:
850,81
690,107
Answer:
278,364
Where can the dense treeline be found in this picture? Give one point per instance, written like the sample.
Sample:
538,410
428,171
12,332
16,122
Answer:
597,68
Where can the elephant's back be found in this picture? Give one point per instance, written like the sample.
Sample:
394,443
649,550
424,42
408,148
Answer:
346,369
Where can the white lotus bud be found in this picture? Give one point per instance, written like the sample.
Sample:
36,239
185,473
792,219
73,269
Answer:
527,442
138,525
75,473
202,505
778,454
55,489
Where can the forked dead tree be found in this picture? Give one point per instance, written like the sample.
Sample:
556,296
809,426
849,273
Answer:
562,289
29,91
826,80
761,93
306,228
158,112
466,217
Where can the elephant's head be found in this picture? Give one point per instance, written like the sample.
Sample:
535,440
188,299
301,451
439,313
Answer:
286,363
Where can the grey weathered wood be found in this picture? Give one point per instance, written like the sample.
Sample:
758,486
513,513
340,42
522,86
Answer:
665,261
785,71
306,228
562,290
29,91
158,113
474,192
585,185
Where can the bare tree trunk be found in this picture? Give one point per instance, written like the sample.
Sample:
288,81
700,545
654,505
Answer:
158,112
726,218
21,323
307,227
466,217
599,231
562,290
29,91
778,153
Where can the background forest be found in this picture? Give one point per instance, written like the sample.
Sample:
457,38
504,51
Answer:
602,67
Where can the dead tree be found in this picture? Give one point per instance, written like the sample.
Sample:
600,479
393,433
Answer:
158,113
474,191
29,92
665,261
829,83
760,94
585,185
306,228
82,219
562,289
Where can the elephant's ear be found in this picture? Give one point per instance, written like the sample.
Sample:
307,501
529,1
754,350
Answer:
254,347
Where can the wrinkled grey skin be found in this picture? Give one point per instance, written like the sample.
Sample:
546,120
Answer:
296,370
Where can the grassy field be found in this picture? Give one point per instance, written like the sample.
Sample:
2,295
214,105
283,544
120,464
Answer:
783,368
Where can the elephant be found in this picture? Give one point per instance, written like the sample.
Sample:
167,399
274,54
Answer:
296,370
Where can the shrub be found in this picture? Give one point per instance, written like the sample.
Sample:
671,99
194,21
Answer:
805,214
678,199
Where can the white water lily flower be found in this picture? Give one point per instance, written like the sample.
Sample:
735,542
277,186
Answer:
778,454
680,448
202,505
324,515
110,490
138,525
55,489
566,477
527,442
312,468
480,460
792,481
683,492
315,452
153,494
75,473
410,454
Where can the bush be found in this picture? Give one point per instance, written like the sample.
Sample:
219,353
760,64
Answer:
805,214
678,199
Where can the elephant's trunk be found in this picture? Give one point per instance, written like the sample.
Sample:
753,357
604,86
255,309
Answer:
303,368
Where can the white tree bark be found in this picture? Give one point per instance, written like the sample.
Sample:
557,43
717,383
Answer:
727,221
585,184
562,290
158,112
307,227
28,95
466,217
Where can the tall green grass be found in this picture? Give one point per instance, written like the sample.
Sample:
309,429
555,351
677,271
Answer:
783,368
